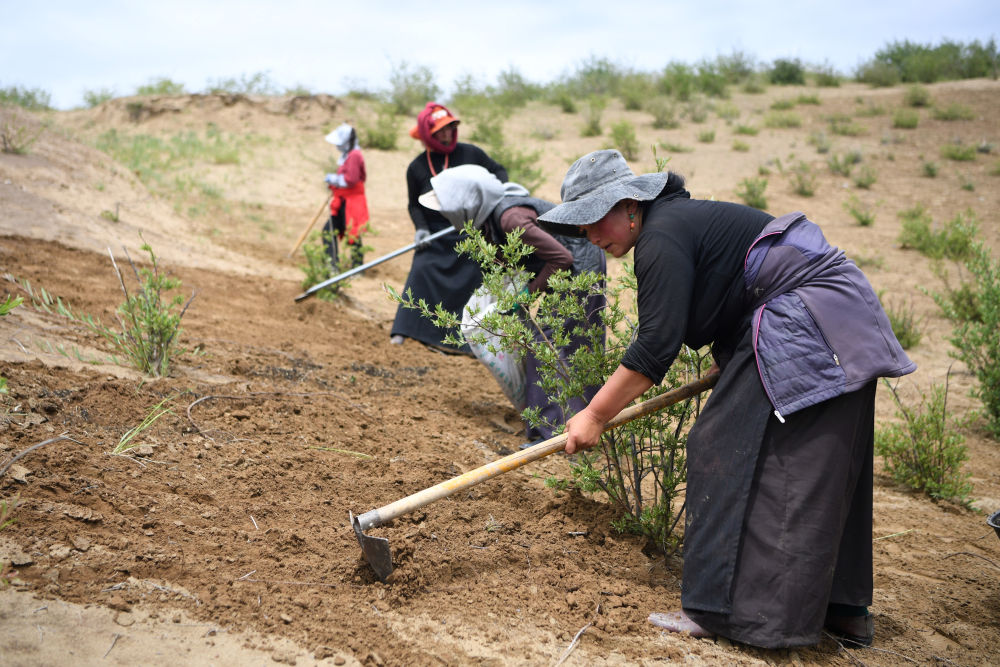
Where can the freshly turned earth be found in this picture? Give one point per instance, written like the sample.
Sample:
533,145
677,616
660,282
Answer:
225,539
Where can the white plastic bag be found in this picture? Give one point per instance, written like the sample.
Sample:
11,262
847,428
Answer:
508,370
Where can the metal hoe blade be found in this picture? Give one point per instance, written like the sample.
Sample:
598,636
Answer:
376,549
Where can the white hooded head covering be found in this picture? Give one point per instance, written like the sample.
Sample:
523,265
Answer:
345,139
468,192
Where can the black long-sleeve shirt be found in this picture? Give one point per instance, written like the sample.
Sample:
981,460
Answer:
418,180
689,270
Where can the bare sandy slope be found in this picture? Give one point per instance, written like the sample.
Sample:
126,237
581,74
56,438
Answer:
228,542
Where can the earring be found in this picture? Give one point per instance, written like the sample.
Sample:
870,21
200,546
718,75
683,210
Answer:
631,216
631,226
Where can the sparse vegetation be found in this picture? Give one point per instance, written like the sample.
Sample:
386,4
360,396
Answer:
905,325
32,99
865,177
319,266
706,136
160,86
781,119
925,451
863,214
623,138
905,119
803,179
384,132
953,241
917,96
592,117
410,88
958,152
953,112
751,191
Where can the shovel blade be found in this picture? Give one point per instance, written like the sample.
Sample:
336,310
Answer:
375,549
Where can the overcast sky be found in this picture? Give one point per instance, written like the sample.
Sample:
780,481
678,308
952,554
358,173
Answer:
67,47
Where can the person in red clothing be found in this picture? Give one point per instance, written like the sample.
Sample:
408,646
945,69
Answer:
348,206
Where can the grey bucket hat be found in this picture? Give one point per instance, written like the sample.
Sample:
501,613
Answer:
598,181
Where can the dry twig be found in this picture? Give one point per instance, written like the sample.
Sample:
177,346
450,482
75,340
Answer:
34,447
969,553
572,644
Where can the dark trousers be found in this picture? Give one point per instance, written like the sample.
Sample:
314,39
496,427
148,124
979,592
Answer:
807,533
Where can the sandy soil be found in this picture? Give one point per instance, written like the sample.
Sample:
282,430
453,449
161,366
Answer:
226,539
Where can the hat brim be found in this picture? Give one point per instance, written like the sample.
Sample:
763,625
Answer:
430,200
593,207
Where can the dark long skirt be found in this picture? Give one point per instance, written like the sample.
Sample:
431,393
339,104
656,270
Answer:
805,537
438,274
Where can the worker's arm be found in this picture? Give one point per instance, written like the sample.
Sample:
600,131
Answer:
623,387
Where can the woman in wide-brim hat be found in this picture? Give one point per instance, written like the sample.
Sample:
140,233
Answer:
779,485
438,274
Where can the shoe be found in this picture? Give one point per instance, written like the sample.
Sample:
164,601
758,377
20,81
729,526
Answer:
678,621
851,630
397,340
529,445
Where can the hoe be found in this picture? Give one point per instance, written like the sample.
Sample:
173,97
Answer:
376,549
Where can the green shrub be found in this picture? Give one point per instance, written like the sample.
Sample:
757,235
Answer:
929,169
521,166
862,213
727,111
843,165
93,98
787,71
917,96
905,325
803,179
259,83
958,152
410,89
592,117
635,90
319,266
953,112
664,112
847,128
18,131
741,146
639,466
751,191
878,74
32,99
696,109
807,99
826,77
678,81
160,86
870,110
924,63
748,130
865,177
383,133
623,138
563,98
781,119
925,451
706,136
755,84
820,141
953,241
905,119
783,104
974,311
671,147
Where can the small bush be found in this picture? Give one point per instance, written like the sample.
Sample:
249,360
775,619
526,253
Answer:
410,88
847,128
696,110
865,177
808,99
783,104
319,266
384,133
786,71
953,112
671,147
727,111
623,138
958,152
820,141
741,146
870,110
904,324
917,96
803,179
826,77
706,136
974,311
664,112
878,75
160,86
779,119
18,131
32,99
843,165
925,451
751,191
93,98
862,213
748,130
905,119
259,83
929,169
592,117
953,241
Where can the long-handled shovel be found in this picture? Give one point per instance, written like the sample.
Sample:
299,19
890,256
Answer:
364,267
376,549
305,232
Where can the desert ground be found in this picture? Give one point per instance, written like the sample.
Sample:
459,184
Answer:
224,538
